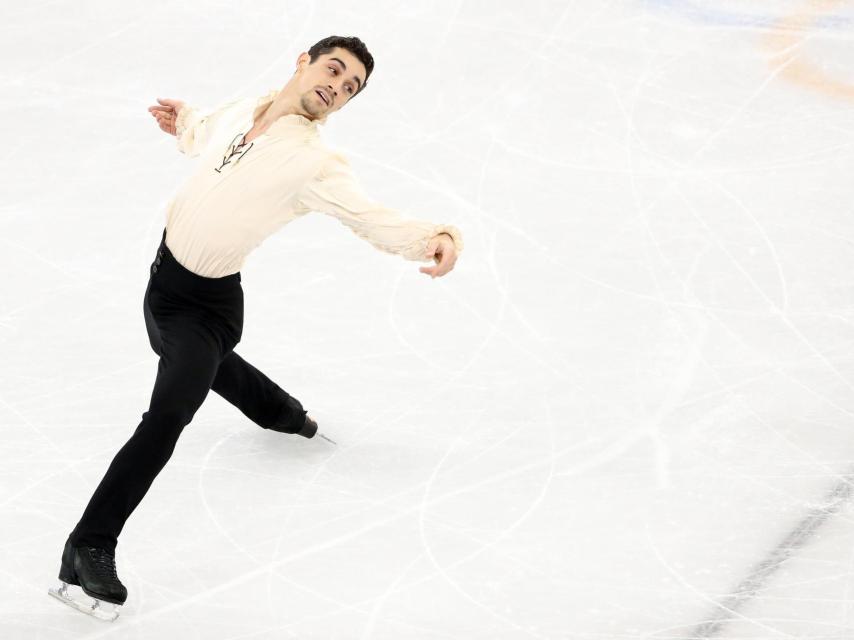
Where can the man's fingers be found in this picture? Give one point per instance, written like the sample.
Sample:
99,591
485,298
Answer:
431,248
164,119
168,104
166,122
437,271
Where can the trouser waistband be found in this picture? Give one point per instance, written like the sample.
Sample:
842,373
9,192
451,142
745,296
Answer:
165,264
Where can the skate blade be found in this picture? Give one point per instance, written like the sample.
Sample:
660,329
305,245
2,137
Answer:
74,597
325,437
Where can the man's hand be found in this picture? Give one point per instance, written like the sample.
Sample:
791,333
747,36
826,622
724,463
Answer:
444,252
166,113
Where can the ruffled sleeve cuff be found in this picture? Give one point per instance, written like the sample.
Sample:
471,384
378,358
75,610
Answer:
452,231
188,118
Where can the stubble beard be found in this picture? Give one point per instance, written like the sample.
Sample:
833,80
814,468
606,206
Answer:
309,105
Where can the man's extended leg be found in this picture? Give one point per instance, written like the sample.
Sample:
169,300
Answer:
246,387
259,398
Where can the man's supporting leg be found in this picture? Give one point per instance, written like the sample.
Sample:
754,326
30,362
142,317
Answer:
188,364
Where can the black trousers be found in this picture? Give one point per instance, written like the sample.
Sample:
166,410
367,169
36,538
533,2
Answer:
193,324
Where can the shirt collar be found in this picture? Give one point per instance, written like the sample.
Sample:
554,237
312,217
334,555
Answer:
297,118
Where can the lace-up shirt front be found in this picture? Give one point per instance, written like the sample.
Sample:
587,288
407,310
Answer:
240,193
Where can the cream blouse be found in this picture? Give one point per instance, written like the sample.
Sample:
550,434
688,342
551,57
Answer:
240,195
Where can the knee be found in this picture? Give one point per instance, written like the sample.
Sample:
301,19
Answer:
166,423
158,433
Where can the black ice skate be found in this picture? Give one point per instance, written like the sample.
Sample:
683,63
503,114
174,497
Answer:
94,571
308,428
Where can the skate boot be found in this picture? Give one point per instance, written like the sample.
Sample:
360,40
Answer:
94,571
309,430
285,422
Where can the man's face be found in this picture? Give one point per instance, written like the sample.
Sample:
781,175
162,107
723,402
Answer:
336,75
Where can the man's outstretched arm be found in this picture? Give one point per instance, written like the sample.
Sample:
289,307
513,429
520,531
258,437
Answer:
336,191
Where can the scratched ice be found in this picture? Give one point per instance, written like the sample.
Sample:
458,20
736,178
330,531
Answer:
627,413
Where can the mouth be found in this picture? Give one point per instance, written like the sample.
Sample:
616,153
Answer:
322,96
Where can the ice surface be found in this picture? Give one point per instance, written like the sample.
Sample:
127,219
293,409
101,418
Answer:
627,413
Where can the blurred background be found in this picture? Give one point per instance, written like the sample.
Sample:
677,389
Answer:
626,413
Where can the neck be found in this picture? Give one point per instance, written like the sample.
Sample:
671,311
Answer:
286,102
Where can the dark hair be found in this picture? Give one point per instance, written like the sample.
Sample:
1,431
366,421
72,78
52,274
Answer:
351,44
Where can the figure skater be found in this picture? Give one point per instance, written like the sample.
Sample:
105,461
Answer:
261,165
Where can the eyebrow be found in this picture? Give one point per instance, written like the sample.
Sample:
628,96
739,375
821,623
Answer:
341,62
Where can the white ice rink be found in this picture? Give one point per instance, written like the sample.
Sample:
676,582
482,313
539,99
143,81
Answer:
627,413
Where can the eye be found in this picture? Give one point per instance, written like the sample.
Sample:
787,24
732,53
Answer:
350,87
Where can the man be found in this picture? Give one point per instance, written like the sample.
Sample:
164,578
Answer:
262,165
